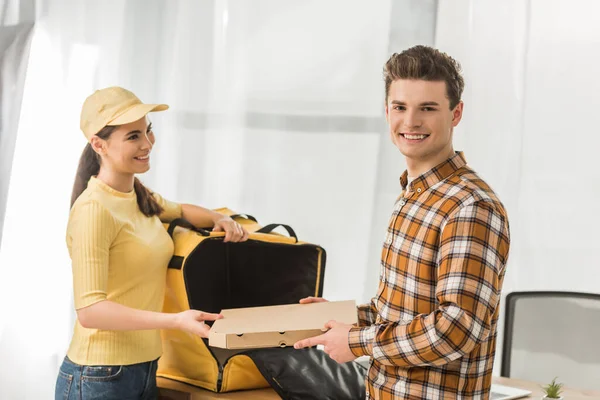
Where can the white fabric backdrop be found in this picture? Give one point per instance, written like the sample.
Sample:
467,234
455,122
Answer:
16,31
529,129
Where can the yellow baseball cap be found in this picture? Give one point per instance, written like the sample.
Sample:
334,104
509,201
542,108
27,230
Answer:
113,106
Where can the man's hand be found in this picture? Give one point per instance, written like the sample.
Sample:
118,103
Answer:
335,342
234,232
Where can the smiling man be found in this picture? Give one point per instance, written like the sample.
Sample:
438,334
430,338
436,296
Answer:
430,330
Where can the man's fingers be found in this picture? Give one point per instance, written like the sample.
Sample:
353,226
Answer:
331,324
303,343
310,342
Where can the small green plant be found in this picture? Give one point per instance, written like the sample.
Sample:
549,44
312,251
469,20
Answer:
553,390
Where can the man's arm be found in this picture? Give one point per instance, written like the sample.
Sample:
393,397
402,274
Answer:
367,313
473,253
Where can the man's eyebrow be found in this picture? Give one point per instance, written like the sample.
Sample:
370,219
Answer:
425,103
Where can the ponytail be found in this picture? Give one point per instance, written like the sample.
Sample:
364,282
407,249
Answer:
146,201
89,165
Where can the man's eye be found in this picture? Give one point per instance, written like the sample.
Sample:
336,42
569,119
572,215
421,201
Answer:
133,137
428,109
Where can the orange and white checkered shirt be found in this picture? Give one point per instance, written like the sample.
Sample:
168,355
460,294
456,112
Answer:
431,329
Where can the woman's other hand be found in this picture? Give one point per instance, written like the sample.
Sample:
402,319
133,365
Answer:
192,321
234,232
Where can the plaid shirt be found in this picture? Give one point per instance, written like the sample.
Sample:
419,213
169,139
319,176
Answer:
431,329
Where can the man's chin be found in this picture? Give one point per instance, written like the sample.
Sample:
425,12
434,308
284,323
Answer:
410,153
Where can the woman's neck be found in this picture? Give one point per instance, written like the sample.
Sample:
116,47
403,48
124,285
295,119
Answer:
121,182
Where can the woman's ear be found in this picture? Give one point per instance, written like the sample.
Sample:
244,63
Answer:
98,145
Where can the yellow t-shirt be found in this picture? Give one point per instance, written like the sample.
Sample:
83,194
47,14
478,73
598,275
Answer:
117,254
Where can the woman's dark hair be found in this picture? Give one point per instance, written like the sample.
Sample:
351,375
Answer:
89,165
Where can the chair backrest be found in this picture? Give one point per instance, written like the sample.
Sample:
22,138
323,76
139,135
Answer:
549,334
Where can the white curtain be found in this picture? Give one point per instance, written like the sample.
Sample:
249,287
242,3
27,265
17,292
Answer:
276,110
16,30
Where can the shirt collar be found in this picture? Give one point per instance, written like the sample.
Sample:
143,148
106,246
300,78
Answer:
436,174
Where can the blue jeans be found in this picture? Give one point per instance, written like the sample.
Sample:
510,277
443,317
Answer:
122,382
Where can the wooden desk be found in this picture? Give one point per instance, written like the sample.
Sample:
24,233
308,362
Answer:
171,390
568,394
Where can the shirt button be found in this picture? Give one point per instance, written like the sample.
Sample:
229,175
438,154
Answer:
418,190
402,202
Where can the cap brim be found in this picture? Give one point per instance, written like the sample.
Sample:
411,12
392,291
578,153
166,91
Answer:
137,112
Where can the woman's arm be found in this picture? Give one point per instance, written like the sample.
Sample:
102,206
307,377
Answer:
199,216
108,315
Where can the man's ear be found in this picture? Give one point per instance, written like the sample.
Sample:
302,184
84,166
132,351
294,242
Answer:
457,113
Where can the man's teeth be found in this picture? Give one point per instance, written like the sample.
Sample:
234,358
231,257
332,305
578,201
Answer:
143,158
415,137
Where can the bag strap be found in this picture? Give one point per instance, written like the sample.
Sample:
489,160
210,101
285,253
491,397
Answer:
269,229
184,223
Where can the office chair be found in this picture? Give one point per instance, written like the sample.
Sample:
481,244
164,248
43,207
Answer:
549,334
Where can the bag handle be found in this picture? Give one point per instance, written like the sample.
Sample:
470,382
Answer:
269,228
247,216
185,224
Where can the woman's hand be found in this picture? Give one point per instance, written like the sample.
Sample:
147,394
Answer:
234,232
311,299
192,321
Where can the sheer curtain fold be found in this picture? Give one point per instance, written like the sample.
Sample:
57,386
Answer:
16,30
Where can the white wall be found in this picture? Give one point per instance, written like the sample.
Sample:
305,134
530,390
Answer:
530,105
529,128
